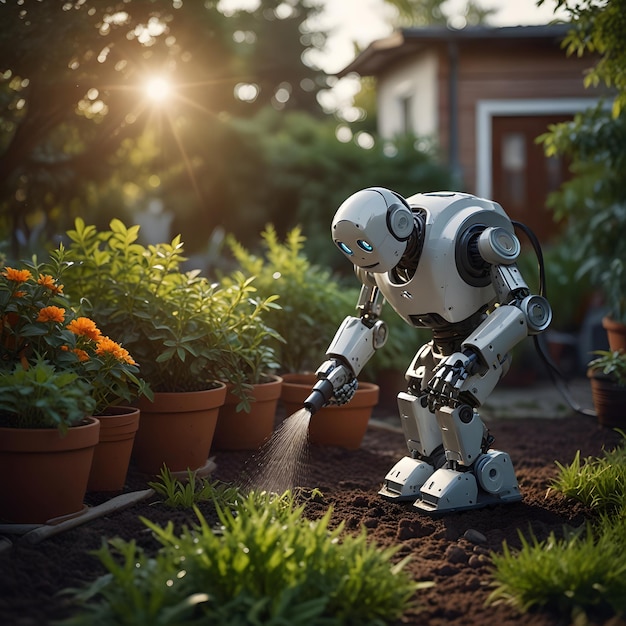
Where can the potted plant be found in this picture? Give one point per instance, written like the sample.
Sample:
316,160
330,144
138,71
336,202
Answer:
173,322
113,375
313,305
246,421
47,436
607,374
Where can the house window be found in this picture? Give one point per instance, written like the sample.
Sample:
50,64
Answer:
514,163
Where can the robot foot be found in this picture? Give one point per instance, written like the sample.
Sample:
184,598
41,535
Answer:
405,479
490,481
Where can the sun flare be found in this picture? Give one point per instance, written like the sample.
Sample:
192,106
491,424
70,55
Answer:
158,89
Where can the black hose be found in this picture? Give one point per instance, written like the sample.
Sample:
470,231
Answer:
556,375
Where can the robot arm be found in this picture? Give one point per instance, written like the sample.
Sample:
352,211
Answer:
473,373
354,343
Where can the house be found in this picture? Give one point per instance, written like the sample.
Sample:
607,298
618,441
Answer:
485,94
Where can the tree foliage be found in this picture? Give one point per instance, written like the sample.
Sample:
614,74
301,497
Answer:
593,202
73,105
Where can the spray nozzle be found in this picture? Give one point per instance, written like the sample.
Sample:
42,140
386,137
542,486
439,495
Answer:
321,393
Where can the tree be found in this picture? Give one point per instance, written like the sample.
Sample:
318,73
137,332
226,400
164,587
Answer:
73,108
593,202
432,12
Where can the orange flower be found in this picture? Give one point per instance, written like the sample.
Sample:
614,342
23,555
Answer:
49,282
81,354
108,346
17,276
84,327
51,314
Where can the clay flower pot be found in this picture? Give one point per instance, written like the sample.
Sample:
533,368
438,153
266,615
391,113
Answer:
616,333
248,431
43,474
609,400
343,426
112,454
176,429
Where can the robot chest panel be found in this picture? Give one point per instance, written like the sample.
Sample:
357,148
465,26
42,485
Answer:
436,293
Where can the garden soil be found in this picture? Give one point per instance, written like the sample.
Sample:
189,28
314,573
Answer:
452,551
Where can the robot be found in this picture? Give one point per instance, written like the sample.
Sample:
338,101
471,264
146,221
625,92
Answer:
443,261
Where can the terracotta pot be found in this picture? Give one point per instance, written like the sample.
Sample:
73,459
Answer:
43,475
176,429
616,333
342,426
112,454
609,401
248,431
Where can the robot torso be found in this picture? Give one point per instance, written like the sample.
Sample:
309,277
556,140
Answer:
449,282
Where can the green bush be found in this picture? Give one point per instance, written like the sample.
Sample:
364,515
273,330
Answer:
585,570
266,564
598,482
312,302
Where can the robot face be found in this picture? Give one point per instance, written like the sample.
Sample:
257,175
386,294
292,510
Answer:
371,228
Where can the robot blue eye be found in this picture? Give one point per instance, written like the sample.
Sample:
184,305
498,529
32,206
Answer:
364,245
344,248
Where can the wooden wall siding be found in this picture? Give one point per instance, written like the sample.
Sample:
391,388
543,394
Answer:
502,73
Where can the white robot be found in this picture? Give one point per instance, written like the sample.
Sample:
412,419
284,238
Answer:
443,261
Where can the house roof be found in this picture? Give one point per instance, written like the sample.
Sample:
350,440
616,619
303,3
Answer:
406,41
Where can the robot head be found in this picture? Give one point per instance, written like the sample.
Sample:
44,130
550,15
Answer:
372,227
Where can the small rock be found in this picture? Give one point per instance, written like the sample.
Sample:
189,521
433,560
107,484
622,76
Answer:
476,561
474,536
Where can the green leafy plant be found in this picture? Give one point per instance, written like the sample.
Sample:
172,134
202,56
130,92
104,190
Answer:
179,494
313,303
584,571
181,327
266,565
41,396
38,324
610,364
598,482
252,357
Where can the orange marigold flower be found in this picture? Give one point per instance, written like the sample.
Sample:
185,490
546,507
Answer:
81,354
51,314
47,281
17,276
84,327
19,294
108,346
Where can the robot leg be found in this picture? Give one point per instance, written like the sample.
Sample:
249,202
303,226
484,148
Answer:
423,437
472,478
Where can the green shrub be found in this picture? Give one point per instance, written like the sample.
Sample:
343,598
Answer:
312,302
597,482
583,571
265,564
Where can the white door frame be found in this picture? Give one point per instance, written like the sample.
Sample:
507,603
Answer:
486,110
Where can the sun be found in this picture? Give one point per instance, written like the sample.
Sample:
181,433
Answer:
158,89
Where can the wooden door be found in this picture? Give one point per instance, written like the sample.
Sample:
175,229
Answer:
522,175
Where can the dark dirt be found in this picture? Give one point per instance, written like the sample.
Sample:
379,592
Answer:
31,575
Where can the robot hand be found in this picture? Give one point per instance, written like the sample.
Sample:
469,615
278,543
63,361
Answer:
334,380
345,393
444,386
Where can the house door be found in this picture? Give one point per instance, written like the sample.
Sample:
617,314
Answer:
522,175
